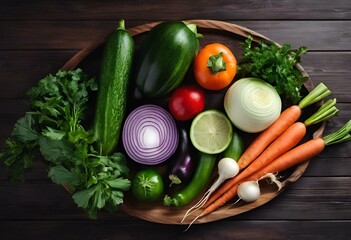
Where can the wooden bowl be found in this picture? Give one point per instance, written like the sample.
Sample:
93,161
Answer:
213,31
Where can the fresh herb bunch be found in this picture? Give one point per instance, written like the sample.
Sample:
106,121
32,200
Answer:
275,65
58,106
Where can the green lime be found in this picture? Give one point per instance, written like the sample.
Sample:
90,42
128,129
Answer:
211,132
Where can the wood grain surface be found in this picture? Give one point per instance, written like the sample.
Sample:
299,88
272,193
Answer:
39,37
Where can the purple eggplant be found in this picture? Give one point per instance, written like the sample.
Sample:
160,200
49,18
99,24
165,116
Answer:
182,162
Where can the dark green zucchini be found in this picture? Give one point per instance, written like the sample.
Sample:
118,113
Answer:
164,57
115,72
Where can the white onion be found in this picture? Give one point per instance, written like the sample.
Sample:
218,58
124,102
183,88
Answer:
252,104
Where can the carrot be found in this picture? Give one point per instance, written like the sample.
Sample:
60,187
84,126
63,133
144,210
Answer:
293,157
286,118
290,138
289,159
283,143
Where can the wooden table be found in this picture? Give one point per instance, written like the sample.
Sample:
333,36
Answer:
38,37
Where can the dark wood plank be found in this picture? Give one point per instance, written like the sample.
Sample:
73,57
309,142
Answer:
331,68
244,230
28,67
181,9
331,35
44,200
329,166
55,34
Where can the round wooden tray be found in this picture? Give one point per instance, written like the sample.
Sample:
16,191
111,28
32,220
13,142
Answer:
213,31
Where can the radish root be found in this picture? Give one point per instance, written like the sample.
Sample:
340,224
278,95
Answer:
198,205
273,179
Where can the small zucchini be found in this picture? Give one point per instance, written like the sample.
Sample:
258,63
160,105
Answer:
235,148
114,76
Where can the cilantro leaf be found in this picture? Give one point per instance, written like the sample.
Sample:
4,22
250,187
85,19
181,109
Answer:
82,197
105,184
119,183
24,130
53,133
17,157
61,175
56,151
17,152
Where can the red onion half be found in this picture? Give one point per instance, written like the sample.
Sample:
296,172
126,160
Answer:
150,135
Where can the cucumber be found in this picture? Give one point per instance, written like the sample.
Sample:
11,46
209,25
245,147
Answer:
235,148
164,57
115,72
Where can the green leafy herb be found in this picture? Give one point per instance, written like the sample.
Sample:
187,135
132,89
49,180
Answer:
105,184
276,65
18,152
54,126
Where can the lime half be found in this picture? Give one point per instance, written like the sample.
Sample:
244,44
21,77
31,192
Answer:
211,132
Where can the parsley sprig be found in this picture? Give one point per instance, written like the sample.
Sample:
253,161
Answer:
276,65
58,106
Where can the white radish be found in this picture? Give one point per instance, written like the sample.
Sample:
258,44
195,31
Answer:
249,191
227,168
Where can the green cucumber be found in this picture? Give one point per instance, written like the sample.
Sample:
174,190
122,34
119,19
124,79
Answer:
164,57
115,72
235,148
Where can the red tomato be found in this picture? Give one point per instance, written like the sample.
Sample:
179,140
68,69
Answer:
186,102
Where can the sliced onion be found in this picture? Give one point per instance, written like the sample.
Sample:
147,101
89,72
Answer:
150,135
252,104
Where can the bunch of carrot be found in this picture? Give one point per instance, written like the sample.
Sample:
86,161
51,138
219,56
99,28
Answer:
274,149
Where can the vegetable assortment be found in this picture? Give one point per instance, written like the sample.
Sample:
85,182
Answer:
162,146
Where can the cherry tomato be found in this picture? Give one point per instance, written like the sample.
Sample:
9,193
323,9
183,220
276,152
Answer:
215,66
186,102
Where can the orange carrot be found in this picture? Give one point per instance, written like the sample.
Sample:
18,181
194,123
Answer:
287,160
291,158
286,118
290,138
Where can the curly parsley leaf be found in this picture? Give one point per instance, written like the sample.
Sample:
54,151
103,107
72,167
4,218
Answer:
276,65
